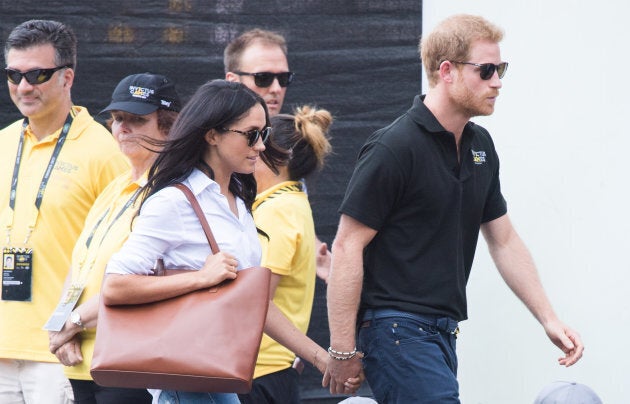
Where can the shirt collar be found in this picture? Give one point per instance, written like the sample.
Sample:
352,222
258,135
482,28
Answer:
260,198
425,118
79,122
199,181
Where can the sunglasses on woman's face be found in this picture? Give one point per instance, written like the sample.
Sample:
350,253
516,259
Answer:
265,79
253,135
33,77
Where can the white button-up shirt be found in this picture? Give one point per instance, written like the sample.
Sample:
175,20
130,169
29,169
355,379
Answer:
168,228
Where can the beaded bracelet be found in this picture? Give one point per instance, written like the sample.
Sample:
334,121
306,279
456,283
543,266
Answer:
341,356
353,352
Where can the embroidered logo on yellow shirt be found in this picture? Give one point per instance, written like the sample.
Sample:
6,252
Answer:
66,167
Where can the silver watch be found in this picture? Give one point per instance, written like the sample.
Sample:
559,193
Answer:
75,318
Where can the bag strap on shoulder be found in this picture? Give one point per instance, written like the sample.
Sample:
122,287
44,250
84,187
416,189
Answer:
202,218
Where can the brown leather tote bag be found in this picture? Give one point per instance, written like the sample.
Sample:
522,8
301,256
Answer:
204,341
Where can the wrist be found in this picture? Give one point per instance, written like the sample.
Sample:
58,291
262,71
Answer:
318,361
342,355
75,319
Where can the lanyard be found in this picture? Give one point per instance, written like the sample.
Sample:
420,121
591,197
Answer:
120,213
45,178
84,272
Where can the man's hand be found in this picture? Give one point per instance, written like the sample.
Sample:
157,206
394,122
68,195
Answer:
344,377
567,340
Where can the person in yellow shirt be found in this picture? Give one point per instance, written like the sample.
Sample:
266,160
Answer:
53,165
143,109
283,213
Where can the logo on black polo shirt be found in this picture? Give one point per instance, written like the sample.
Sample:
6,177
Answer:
479,157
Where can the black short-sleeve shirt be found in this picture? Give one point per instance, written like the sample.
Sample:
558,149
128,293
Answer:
427,207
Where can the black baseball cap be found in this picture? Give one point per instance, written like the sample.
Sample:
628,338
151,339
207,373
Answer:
144,93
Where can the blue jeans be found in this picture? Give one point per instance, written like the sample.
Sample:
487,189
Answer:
183,397
409,358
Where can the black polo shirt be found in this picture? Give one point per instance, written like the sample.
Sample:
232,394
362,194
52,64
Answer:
427,208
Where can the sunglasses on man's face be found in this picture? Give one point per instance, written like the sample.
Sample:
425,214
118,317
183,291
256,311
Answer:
253,135
265,79
486,70
35,76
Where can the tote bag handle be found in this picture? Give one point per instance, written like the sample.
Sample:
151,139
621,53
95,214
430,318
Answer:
202,218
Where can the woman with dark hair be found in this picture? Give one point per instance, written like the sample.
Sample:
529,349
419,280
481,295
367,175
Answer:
213,149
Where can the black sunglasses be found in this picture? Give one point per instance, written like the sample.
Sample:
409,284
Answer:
36,76
265,79
253,135
486,70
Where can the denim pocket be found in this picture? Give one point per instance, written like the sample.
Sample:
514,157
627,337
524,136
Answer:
397,351
404,331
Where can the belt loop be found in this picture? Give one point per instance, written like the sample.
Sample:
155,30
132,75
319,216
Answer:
368,315
448,325
365,320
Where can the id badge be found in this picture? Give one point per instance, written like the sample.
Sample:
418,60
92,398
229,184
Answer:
64,308
17,273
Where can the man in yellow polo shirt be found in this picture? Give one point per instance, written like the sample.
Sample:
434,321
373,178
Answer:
53,165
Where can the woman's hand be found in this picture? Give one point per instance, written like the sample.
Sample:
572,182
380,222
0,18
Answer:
217,268
58,338
69,354
352,384
323,259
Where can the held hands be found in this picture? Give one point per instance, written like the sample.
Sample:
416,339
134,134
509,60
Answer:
567,340
343,376
353,383
217,268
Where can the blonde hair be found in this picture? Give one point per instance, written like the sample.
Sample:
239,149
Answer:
451,40
313,124
305,135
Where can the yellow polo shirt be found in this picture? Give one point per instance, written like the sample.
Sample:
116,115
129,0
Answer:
284,213
88,162
108,224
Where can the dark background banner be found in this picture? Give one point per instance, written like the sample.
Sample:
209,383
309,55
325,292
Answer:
358,59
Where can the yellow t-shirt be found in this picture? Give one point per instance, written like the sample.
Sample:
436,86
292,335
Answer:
87,163
284,214
108,224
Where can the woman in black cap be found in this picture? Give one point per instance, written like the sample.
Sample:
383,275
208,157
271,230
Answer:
143,108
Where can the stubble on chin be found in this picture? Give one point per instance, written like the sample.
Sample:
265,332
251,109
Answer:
473,104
